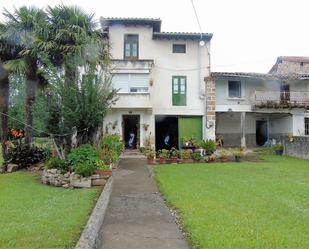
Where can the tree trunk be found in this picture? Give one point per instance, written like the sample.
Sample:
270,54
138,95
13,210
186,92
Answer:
31,88
4,108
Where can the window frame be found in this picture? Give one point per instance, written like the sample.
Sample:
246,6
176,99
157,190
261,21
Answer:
179,52
240,92
179,96
125,41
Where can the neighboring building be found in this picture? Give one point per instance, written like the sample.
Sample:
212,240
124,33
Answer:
252,108
160,77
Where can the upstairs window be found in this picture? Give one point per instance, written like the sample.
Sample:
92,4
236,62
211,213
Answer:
234,89
179,48
179,89
131,47
307,126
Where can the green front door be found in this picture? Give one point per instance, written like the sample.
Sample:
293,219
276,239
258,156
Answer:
190,127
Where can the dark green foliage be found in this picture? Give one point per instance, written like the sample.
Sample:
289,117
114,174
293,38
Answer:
208,145
25,155
196,156
112,142
56,163
83,154
85,169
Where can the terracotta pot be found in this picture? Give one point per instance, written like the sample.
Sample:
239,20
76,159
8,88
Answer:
174,159
223,160
162,160
103,172
151,160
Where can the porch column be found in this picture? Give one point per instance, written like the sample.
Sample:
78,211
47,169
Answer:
243,130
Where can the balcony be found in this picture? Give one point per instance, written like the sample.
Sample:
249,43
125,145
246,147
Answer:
132,66
280,99
137,100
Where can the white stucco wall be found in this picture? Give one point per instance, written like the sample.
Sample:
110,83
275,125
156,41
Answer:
282,125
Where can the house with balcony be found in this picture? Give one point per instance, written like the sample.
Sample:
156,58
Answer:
253,109
160,77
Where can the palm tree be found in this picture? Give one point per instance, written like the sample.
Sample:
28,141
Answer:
8,51
24,27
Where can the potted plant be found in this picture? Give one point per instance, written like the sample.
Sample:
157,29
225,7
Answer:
145,126
186,155
209,146
163,155
174,153
238,154
151,156
223,155
278,148
196,156
103,169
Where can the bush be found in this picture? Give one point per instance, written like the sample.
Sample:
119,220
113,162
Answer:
174,152
83,154
85,169
186,154
164,153
56,163
196,156
209,145
25,155
109,156
112,142
101,165
150,154
277,147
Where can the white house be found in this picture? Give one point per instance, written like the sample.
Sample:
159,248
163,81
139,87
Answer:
160,77
252,108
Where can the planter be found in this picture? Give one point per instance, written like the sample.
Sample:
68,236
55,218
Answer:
224,160
162,160
238,159
279,152
174,159
104,172
151,160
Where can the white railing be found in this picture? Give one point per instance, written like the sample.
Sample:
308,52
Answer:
280,98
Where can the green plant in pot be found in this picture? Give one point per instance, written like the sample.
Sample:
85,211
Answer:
196,156
151,156
163,155
209,146
224,155
238,154
278,148
174,153
186,155
102,169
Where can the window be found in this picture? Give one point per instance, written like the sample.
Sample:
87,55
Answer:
131,47
307,126
234,89
139,90
179,48
179,89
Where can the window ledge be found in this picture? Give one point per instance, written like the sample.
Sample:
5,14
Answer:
236,99
133,93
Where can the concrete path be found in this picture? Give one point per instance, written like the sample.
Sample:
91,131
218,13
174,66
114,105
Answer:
137,217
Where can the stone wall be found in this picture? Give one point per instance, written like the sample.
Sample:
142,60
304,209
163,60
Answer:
298,147
211,108
56,178
291,67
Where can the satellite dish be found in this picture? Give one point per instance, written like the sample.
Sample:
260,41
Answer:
202,43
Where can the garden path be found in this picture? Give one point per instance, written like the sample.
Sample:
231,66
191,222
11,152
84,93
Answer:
137,217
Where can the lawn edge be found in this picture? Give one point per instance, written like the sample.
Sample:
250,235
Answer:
90,237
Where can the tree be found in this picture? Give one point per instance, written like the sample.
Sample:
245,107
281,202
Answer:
25,27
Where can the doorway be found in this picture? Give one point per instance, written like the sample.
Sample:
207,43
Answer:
166,132
284,93
131,131
261,132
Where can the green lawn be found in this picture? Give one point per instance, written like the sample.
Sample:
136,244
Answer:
241,205
33,215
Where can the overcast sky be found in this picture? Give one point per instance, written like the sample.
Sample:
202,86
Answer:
248,34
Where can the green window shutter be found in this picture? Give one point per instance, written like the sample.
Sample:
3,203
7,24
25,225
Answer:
190,127
179,90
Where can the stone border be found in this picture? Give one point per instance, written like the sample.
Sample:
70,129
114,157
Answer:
90,237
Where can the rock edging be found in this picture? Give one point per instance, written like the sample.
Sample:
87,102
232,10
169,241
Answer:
90,237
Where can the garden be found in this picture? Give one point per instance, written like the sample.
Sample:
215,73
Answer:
56,155
260,204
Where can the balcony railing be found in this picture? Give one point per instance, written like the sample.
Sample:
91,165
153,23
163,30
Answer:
280,99
137,100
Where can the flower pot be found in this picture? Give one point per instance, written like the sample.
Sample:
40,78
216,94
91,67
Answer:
162,160
174,159
151,160
223,160
279,152
104,172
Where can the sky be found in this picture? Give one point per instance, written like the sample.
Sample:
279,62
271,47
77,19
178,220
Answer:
248,35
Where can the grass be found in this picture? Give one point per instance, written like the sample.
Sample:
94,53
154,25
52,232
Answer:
33,215
241,205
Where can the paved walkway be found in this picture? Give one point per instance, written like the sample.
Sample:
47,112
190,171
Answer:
137,217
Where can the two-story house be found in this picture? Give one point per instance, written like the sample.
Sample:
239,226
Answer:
254,108
160,77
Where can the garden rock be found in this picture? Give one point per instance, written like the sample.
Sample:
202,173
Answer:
98,182
12,168
81,183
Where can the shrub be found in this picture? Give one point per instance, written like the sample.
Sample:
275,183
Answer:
56,163
277,147
108,156
25,155
209,145
85,169
82,155
101,165
186,154
150,154
174,152
196,156
223,154
112,142
164,153
237,152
